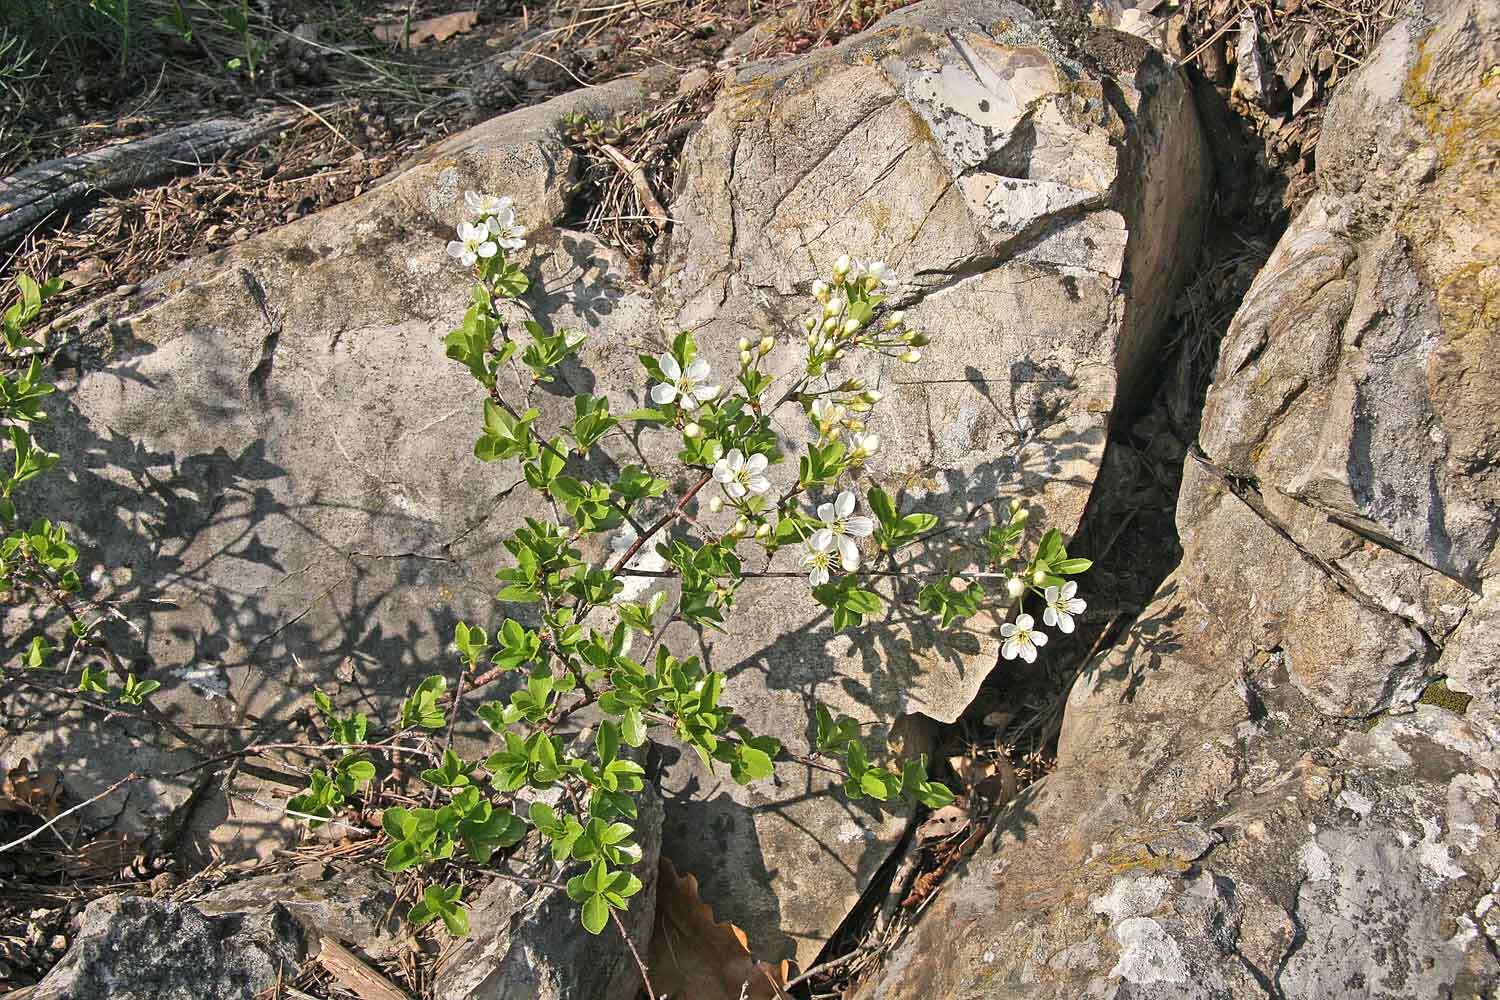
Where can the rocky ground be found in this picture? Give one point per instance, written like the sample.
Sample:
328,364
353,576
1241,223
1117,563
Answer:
1234,336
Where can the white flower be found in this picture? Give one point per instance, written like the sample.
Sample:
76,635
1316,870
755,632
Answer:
825,413
739,475
839,527
683,384
1021,639
507,232
817,557
1062,606
864,445
472,244
877,269
485,205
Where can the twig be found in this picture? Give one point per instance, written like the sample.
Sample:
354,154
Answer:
645,976
637,175
68,812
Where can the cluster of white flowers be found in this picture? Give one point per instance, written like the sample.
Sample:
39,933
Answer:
1023,638
835,538
834,329
832,418
740,476
494,229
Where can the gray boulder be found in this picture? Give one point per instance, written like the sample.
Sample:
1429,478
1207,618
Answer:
1248,802
131,948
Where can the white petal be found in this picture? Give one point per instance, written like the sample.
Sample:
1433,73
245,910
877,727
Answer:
504,217
663,393
1039,638
756,464
698,370
669,367
818,576
848,553
722,472
1050,595
1049,616
1010,649
455,249
1064,622
1024,622
468,258
1028,652
844,505
859,527
736,459
1075,606
734,489
487,249
704,393
758,484
825,513
1070,588
822,539
472,200
1007,630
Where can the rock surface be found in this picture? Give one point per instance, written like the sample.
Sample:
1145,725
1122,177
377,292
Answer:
1042,211
358,907
130,948
278,456
1223,822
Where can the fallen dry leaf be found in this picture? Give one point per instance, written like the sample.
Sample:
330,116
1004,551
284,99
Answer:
25,790
695,957
431,29
945,822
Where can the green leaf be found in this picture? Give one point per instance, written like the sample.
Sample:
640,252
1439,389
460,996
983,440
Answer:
595,914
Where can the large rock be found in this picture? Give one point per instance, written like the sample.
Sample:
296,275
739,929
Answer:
130,948
1219,826
276,453
1041,210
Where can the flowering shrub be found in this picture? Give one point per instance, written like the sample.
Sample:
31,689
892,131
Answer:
584,645
580,796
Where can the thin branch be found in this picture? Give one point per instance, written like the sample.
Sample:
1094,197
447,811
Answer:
645,976
68,812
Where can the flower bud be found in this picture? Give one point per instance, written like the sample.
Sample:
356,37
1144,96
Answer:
834,432
744,344
912,357
745,358
851,326
873,395
1019,515
740,526
895,319
830,309
870,443
763,531
812,338
810,323
830,324
842,265
859,406
855,384
838,354
920,339
820,290
1038,578
692,430
766,343
715,504
1015,587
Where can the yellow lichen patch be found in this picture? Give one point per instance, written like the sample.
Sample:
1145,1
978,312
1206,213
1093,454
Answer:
1438,693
